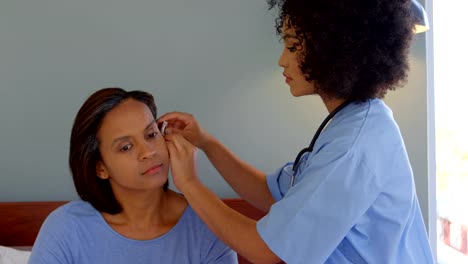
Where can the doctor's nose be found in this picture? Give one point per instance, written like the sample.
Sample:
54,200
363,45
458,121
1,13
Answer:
282,62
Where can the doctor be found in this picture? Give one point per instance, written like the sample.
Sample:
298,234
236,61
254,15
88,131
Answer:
349,197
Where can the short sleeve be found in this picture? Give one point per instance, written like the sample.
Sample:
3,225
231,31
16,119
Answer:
274,180
314,216
51,245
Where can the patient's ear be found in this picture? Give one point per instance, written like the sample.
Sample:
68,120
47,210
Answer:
101,171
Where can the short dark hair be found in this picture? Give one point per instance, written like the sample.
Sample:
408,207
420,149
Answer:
84,146
354,50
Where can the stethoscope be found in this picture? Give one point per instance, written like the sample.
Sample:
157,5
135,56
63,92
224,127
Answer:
310,148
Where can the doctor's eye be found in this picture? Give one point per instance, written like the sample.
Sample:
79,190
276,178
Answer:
292,48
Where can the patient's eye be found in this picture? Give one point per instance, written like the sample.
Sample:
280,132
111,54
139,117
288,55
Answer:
152,135
126,148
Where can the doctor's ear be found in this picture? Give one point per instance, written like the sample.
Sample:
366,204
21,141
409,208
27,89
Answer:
101,171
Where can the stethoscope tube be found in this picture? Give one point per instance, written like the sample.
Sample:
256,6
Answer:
310,148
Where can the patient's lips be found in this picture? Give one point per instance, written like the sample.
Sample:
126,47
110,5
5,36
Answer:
153,169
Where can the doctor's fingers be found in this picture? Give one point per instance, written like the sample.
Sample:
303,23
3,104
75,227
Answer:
188,135
184,124
174,123
180,144
183,164
171,130
177,119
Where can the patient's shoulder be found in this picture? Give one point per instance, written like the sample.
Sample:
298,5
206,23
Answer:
78,207
72,210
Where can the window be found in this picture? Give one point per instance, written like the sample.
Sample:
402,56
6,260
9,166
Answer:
450,51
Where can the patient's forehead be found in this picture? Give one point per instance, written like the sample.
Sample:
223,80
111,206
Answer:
129,118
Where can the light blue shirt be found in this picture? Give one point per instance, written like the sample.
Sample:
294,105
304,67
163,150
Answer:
353,200
77,233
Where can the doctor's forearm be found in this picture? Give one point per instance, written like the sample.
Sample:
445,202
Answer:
246,180
236,230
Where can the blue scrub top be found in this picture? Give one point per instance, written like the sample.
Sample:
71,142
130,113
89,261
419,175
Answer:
354,198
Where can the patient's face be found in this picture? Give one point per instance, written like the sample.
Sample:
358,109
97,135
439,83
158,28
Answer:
134,153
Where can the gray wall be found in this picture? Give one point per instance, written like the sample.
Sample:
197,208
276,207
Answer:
409,106
214,58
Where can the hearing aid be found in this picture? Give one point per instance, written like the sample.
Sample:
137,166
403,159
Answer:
163,127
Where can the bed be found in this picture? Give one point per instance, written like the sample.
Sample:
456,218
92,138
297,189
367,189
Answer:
20,223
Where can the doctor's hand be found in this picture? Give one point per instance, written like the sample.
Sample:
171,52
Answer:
187,125
183,158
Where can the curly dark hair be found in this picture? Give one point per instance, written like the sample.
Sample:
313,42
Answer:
354,50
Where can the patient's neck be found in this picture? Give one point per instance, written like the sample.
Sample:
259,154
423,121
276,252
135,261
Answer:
147,215
144,208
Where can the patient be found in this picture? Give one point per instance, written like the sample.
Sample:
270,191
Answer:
126,214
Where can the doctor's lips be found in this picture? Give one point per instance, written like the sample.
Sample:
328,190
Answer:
288,79
153,170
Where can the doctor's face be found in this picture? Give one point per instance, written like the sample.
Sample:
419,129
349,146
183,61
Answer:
133,151
290,60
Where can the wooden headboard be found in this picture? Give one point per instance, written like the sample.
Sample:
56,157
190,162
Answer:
20,221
